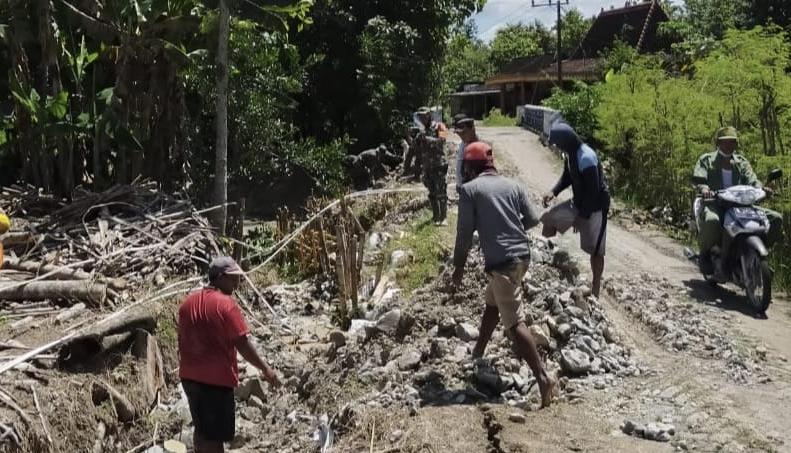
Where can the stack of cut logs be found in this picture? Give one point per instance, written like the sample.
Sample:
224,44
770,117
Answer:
99,248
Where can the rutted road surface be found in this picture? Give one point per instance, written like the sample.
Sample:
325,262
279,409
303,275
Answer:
693,384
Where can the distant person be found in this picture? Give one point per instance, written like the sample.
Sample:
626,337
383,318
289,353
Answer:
430,143
464,127
5,225
211,330
721,169
499,210
411,159
587,210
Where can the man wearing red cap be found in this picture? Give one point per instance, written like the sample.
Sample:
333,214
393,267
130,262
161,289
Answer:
211,330
498,209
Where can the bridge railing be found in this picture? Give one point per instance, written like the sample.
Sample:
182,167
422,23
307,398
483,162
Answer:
538,119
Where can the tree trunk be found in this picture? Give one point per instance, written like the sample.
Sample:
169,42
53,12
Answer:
93,294
221,144
60,273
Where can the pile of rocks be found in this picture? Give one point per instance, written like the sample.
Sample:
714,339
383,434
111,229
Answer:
415,350
660,432
683,326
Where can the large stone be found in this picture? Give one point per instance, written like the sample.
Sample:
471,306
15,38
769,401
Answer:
361,328
575,312
252,386
564,331
538,335
447,327
174,446
466,332
338,338
400,258
409,360
389,322
439,348
517,417
575,362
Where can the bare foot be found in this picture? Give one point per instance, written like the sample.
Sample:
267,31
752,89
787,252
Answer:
548,387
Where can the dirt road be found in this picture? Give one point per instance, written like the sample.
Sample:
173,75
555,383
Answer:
740,417
644,251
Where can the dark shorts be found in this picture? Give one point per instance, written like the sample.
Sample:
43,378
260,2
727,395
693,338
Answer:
213,410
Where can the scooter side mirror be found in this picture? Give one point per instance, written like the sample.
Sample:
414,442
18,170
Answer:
775,175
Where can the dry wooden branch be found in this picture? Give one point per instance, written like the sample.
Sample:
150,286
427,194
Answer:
153,378
9,401
44,423
58,273
8,432
102,391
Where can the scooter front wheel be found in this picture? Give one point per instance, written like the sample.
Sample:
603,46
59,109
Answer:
758,281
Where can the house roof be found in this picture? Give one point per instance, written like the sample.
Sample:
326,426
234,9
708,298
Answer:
636,24
628,24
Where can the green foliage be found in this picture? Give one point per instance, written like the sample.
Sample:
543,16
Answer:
711,18
496,118
372,61
265,148
655,126
575,27
577,106
519,40
429,246
466,60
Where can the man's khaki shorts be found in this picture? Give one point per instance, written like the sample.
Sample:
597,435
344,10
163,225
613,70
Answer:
504,291
564,216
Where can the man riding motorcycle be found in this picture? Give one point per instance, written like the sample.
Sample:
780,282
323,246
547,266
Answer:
722,169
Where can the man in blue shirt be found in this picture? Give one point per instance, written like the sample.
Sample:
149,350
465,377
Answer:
588,208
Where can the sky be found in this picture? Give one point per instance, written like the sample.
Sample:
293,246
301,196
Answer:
499,13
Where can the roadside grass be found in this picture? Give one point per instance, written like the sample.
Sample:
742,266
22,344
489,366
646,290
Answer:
495,118
430,246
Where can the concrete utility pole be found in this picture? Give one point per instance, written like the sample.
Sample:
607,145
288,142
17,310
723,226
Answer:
557,3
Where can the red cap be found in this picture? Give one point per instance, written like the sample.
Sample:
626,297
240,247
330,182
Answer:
478,151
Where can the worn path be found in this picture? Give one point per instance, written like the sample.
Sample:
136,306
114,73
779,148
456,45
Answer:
753,416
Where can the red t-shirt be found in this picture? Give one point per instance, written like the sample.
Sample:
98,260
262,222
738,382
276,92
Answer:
209,324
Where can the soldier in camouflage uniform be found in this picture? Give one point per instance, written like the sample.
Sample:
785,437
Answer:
412,164
430,144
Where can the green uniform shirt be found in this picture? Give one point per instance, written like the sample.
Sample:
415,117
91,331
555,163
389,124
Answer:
709,167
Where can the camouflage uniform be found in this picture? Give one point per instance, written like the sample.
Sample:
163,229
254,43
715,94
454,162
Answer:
364,169
412,158
431,147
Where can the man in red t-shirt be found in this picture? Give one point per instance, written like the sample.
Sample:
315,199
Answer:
211,331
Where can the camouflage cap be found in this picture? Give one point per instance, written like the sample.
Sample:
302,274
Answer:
727,133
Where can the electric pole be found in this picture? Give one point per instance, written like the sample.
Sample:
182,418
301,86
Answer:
559,25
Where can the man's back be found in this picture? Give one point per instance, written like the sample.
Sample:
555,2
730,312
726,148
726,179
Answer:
209,324
498,209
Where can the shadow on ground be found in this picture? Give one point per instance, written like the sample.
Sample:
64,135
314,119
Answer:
721,297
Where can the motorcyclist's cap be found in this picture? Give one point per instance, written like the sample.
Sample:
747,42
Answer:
423,111
727,133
